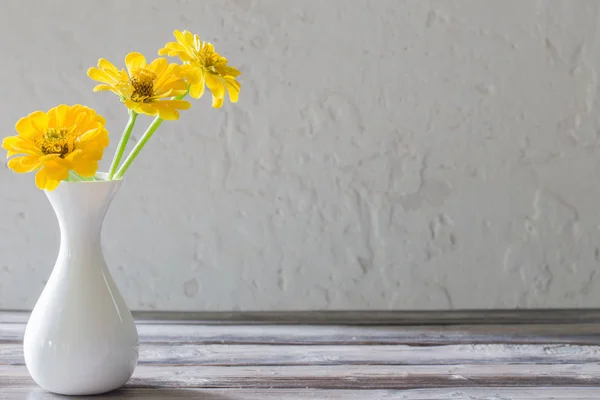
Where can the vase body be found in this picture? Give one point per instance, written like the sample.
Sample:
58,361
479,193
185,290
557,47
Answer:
81,338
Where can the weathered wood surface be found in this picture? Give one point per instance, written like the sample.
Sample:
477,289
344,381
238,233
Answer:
540,393
252,355
181,358
364,335
346,376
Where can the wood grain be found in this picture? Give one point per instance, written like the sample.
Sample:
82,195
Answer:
345,376
248,355
182,358
364,335
529,393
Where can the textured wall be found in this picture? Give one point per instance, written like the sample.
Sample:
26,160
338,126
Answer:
384,154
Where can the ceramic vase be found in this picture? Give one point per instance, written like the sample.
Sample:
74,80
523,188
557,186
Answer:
81,338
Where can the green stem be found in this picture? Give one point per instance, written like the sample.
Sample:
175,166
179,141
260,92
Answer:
122,145
181,97
73,177
139,146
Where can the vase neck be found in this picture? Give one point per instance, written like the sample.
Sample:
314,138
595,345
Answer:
80,208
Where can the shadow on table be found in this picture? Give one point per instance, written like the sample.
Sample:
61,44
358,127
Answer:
136,393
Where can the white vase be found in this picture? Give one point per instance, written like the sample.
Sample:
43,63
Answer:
81,338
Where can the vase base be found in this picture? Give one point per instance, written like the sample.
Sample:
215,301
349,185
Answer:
79,389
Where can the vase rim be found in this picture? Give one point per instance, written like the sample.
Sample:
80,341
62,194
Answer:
101,176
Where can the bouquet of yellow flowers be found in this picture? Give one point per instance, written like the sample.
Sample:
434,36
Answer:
66,142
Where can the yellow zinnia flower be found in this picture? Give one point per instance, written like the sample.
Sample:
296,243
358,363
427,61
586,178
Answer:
63,139
144,88
204,66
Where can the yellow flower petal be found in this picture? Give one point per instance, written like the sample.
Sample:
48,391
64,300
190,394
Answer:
172,71
167,112
90,135
139,108
58,115
178,104
134,61
233,88
107,65
159,65
72,156
100,75
25,129
24,164
43,182
204,66
39,120
215,85
217,89
197,90
33,125
99,119
101,87
191,73
50,158
174,49
93,151
230,71
85,167
49,177
217,102
179,36
67,137
169,87
20,145
144,86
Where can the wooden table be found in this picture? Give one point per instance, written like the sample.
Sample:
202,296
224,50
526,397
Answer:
347,355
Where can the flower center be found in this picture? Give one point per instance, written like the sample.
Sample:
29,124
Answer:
143,85
56,141
207,57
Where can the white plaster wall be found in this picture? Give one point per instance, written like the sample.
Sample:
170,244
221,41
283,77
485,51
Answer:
384,154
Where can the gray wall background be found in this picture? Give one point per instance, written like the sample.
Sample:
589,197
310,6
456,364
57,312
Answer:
384,154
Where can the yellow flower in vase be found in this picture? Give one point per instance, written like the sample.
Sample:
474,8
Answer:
55,142
144,88
204,66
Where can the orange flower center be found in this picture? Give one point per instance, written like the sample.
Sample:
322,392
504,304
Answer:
143,85
207,57
56,141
